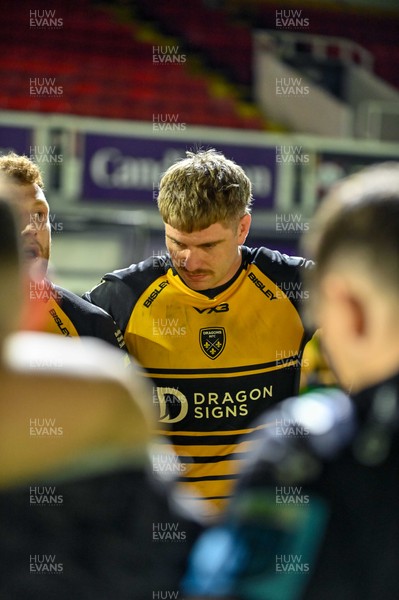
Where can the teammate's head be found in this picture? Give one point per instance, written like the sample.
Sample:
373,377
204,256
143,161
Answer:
25,186
354,240
10,298
205,201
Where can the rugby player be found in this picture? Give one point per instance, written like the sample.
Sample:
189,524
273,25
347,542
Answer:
57,309
214,323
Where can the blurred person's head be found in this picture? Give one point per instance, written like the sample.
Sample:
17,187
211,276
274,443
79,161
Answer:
205,202
354,240
25,189
11,295
10,266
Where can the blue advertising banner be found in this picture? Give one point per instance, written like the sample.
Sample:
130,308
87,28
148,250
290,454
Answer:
18,139
128,169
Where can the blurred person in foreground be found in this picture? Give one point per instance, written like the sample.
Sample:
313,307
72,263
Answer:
80,514
316,515
65,313
214,323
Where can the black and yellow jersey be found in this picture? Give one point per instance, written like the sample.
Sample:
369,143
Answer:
216,362
54,309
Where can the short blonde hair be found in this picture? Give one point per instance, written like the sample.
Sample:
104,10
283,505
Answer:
202,189
21,169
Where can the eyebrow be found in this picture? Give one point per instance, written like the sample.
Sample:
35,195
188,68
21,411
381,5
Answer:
210,243
39,202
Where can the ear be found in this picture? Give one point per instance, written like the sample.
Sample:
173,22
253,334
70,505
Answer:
243,228
348,305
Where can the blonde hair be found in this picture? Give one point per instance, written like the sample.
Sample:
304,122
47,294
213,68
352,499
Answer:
202,189
21,169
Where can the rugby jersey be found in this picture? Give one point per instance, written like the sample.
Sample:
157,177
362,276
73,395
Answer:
216,362
53,309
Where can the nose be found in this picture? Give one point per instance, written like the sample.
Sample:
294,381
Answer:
190,259
29,229
28,226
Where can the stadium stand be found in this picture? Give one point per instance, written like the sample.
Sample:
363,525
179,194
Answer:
103,68
102,57
371,27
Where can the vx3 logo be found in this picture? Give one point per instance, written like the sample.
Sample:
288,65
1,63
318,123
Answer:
224,307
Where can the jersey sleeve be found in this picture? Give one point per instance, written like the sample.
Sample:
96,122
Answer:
91,321
106,329
289,273
119,291
115,297
291,276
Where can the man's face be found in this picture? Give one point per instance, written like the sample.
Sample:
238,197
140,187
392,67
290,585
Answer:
33,211
210,257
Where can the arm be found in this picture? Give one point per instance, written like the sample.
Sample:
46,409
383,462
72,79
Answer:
114,296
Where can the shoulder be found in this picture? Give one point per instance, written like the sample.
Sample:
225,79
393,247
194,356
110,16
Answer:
69,299
119,291
287,272
142,273
274,263
88,319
